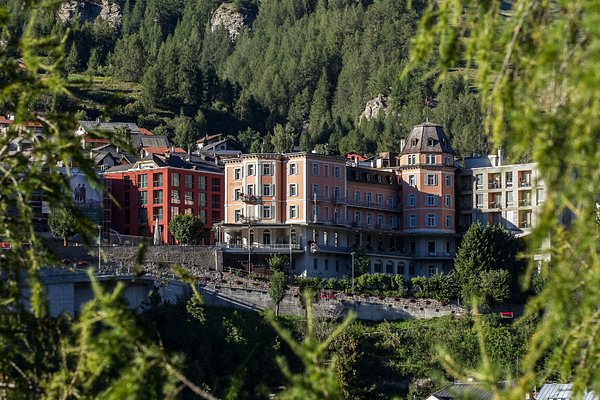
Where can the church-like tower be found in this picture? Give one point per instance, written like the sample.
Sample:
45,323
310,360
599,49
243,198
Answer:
428,196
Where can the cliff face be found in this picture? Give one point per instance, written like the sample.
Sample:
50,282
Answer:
227,16
90,10
374,107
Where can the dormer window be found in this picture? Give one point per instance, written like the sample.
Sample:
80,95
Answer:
414,142
430,142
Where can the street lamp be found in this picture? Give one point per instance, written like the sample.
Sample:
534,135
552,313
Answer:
99,244
353,253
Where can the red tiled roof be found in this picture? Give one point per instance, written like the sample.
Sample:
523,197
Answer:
207,138
146,132
6,121
353,156
90,140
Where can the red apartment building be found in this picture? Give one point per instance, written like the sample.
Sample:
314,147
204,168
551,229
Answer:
158,187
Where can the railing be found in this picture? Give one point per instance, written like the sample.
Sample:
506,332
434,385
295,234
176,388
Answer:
525,202
524,183
524,224
495,204
494,185
373,204
273,246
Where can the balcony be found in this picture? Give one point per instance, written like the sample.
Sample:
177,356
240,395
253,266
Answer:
525,203
494,185
373,205
495,204
524,224
524,184
250,199
260,248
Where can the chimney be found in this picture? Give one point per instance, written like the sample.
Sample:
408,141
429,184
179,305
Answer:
500,156
402,143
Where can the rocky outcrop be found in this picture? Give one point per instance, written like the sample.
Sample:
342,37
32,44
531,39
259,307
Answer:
374,107
228,17
90,10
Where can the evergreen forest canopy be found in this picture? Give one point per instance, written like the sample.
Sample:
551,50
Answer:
308,65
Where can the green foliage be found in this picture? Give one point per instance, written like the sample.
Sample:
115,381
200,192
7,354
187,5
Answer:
439,287
484,250
284,138
186,228
62,224
277,262
534,67
277,291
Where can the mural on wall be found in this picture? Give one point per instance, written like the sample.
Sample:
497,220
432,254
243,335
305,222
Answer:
87,198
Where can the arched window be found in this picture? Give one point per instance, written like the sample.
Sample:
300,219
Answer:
266,236
402,269
377,267
389,267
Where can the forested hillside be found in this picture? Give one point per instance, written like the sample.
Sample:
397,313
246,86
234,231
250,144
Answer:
312,65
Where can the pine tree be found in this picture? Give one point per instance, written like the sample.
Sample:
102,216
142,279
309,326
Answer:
93,62
319,110
72,62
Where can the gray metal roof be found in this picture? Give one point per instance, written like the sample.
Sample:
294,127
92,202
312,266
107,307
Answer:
427,138
466,391
109,126
562,391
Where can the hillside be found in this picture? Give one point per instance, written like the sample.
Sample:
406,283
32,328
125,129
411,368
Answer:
248,66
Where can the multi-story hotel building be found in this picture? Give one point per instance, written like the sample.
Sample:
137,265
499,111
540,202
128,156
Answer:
318,209
492,192
158,187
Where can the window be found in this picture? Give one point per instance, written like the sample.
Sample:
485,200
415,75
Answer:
266,212
539,193
380,220
157,212
431,270
237,215
202,215
412,220
336,193
325,238
325,170
250,170
315,169
266,190
412,159
157,179
430,142
448,180
157,197
337,265
509,199
368,198
237,194
202,182
479,180
509,179
432,180
174,179
267,169
189,182
448,200
357,217
293,212
412,180
250,190
479,200
336,239
430,220
369,218
175,196
293,190
216,201
143,181
447,160
326,264
412,200
326,194
142,215
202,199
448,221
292,169
380,201
315,263
143,198
414,142
430,158
336,172
174,211
216,185
237,174
430,200
431,247
189,198
357,197
315,189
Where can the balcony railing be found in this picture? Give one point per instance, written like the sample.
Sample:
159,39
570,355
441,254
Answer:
495,185
524,224
260,246
525,202
373,204
495,204
525,183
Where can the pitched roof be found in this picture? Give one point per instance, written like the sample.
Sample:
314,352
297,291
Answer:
465,391
169,161
146,132
207,138
561,391
140,140
109,126
427,138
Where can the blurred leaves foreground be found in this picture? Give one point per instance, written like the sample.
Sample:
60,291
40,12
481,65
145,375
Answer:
535,63
102,353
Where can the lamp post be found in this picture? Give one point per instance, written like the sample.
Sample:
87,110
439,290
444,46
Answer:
353,253
99,245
